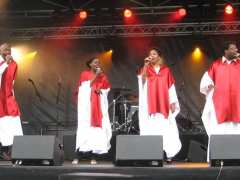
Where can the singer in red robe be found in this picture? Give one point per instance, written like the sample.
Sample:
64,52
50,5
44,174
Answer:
220,85
158,102
10,124
94,128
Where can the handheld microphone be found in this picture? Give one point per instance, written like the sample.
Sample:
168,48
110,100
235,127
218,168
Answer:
147,59
237,55
30,80
98,70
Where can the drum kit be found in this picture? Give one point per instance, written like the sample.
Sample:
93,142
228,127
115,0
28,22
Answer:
124,108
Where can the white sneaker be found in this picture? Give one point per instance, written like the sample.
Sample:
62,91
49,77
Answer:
18,162
93,162
155,163
45,162
75,161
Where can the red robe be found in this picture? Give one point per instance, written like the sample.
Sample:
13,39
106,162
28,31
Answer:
158,85
101,82
8,104
226,96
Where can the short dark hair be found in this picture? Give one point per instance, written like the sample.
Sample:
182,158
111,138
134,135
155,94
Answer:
157,50
90,61
227,44
7,45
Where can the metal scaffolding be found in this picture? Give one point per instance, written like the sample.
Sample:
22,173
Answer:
141,30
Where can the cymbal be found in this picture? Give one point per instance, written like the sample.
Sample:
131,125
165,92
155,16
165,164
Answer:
121,89
125,101
130,95
133,97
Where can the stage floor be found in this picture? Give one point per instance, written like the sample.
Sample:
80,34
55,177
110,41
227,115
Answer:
106,170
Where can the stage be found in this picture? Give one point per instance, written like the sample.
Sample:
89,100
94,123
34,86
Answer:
106,170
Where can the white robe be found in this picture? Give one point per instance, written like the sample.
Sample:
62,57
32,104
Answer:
10,126
156,124
209,117
90,138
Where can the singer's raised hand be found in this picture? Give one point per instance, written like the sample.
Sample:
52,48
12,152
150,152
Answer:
147,61
237,55
8,58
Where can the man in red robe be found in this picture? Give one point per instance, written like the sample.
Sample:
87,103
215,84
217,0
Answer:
10,124
220,85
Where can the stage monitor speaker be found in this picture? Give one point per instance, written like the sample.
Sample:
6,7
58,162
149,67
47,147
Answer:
33,150
224,150
139,150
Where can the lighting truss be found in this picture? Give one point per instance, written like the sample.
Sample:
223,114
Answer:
141,30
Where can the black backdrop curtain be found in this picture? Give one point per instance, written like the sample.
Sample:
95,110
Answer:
44,86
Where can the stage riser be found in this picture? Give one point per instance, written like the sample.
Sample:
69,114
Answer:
101,173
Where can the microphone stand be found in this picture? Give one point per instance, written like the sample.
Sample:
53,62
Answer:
39,97
35,89
57,103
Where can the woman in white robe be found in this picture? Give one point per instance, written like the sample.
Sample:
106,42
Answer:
161,121
94,129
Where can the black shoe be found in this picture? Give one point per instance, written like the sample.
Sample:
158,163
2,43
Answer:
169,160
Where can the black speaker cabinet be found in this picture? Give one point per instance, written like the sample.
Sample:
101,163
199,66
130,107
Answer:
35,149
224,149
139,150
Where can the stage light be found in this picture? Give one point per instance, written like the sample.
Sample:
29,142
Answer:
30,55
127,13
197,54
106,59
110,51
178,14
229,9
182,12
22,54
17,53
107,55
83,15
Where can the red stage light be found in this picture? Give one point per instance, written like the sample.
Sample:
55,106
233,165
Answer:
83,14
127,13
229,9
182,12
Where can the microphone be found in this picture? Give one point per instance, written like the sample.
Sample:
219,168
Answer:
30,80
237,55
147,59
98,70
